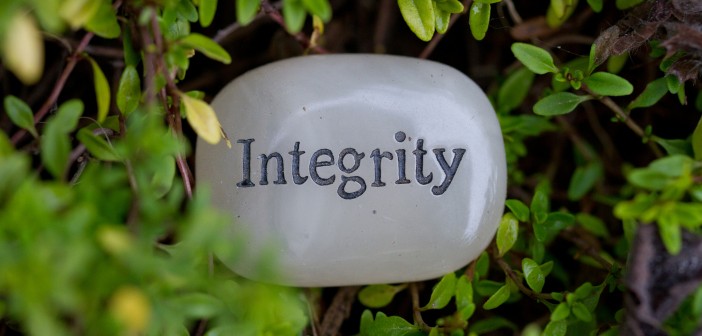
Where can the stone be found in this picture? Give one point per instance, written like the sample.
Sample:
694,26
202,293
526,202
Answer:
356,169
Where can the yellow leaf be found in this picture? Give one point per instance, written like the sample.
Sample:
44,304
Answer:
24,48
102,91
78,12
130,307
202,118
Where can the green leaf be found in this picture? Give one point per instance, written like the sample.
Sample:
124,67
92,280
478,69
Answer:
55,144
696,140
482,265
442,293
498,298
464,298
558,7
207,46
514,90
197,305
519,209
102,91
390,326
442,19
131,56
97,146
128,91
559,103
104,22
581,312
555,16
207,10
320,8
556,328
479,19
561,312
593,224
583,179
653,92
491,324
596,5
246,10
451,6
378,296
185,9
533,275
540,206
162,181
675,146
20,114
625,4
607,84
648,179
507,233
592,58
669,229
294,15
419,16
536,59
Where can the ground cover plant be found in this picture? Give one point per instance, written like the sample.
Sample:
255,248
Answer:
104,231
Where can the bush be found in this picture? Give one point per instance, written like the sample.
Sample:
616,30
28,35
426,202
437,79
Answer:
102,231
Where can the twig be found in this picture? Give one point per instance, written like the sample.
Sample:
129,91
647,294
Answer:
513,11
416,311
339,310
58,87
438,37
274,14
584,246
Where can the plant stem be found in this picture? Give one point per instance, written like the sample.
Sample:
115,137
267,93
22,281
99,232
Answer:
509,272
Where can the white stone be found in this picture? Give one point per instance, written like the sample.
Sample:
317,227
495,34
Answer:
387,234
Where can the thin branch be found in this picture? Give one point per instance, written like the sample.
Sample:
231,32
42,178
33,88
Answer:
416,310
274,13
513,11
339,310
58,87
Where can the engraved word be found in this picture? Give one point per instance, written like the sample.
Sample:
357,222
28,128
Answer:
325,157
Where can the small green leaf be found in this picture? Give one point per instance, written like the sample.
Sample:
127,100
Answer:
498,298
514,90
207,46
596,5
197,305
378,296
533,275
592,57
451,6
491,324
540,206
648,179
669,229
419,16
482,265
104,22
519,209
558,7
555,16
131,56
442,293
128,91
607,84
696,140
464,298
536,59
561,312
653,92
294,15
102,91
207,10
556,328
162,180
97,146
479,19
583,179
559,103
625,4
442,19
593,224
384,325
246,10
507,233
55,144
320,8
581,312
20,114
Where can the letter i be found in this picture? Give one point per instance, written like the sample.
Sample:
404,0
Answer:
401,176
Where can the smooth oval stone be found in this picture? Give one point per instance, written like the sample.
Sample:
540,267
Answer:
358,169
